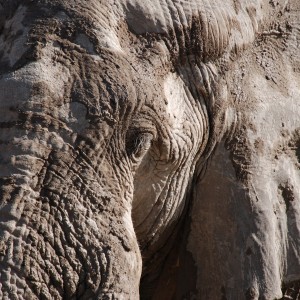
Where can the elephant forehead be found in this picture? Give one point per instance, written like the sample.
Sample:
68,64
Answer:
90,25
221,24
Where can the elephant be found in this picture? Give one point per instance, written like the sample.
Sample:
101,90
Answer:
149,149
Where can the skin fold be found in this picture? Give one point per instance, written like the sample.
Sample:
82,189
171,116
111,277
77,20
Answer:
149,149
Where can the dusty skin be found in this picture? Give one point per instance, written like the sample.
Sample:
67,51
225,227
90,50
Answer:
150,149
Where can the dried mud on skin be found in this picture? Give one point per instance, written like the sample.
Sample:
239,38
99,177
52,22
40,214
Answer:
150,145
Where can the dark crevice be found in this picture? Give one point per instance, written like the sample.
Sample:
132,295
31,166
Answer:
174,278
287,194
298,151
291,290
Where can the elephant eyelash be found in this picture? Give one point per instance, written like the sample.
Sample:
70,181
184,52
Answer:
144,141
138,143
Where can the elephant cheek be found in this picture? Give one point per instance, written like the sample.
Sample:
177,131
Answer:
226,226
250,224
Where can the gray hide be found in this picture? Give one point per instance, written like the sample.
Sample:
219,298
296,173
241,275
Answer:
149,149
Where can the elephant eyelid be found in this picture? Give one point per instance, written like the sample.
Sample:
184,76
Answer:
144,141
138,143
145,130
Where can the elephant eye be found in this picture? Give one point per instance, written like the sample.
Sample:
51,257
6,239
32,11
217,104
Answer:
138,143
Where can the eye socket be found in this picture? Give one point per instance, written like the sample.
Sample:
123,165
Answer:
138,143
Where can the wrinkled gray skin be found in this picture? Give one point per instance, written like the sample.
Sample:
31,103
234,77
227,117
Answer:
149,138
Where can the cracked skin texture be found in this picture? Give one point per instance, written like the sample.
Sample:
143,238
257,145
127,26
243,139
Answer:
149,149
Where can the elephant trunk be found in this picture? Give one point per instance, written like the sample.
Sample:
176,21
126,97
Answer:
62,234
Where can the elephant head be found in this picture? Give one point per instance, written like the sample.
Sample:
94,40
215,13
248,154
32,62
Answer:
110,113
